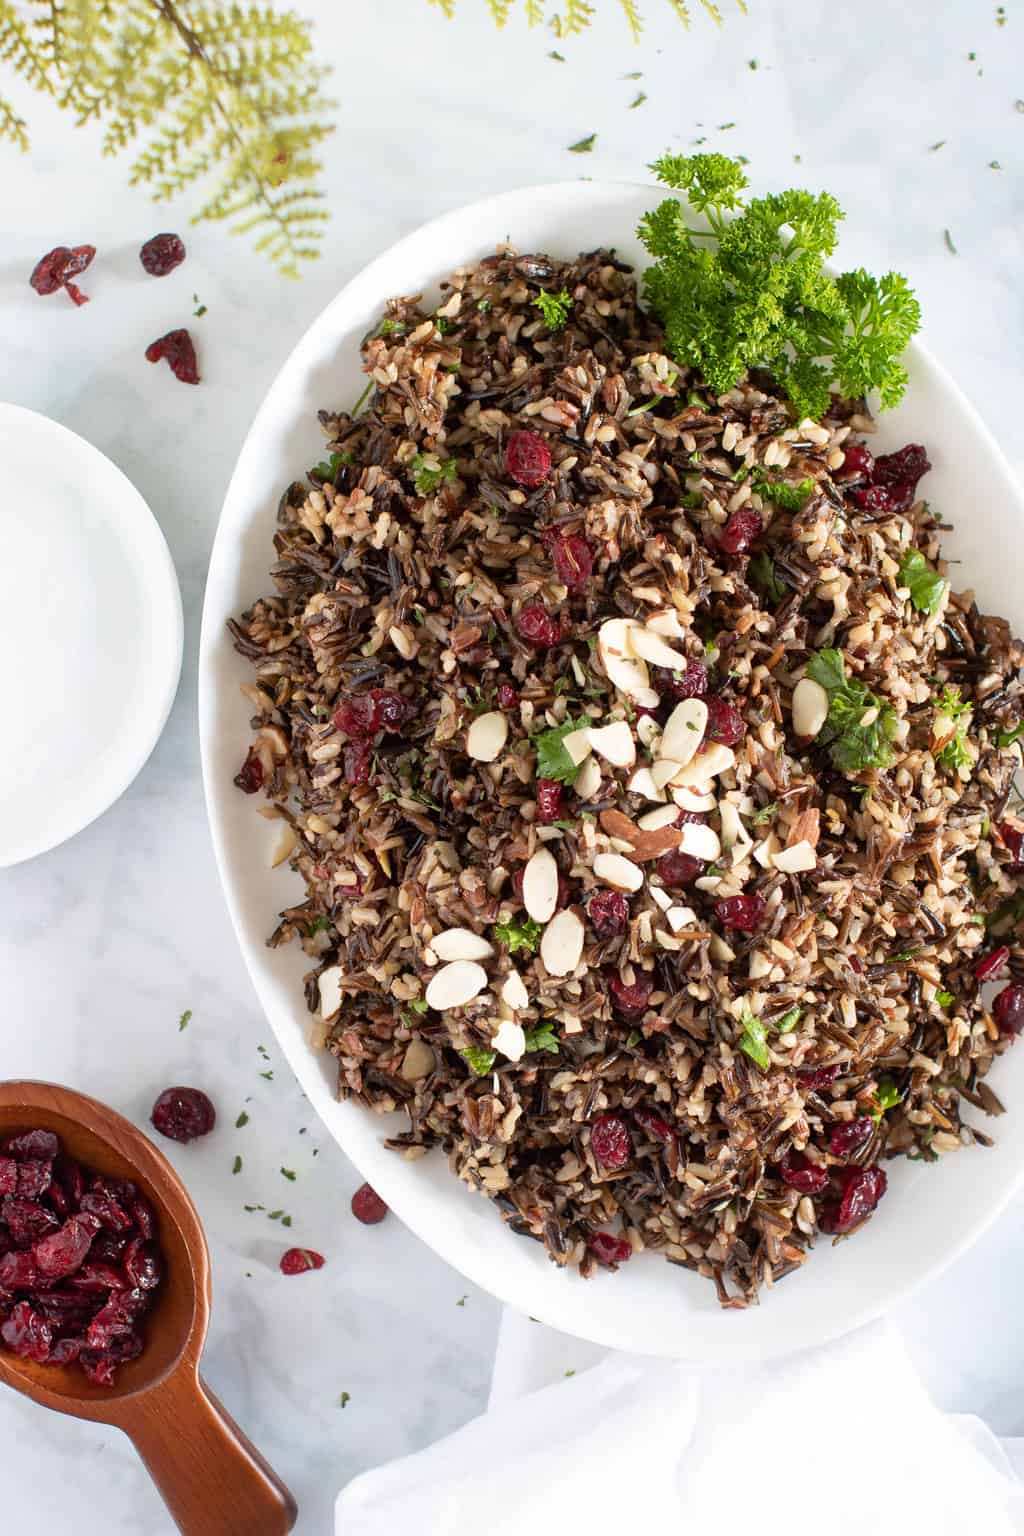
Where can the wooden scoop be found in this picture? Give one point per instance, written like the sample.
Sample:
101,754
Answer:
214,1482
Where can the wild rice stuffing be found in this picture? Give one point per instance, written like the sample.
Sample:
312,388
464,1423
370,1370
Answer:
652,790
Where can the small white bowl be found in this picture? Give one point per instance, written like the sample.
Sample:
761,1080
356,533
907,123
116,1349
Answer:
932,1213
90,633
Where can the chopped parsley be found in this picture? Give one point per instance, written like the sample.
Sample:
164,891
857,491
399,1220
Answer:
553,761
243,1119
320,924
344,1399
326,470
1007,738
638,100
955,754
583,146
185,1020
950,247
543,1038
887,1096
754,291
860,727
761,576
418,1005
391,327
927,587
945,999
200,309
516,936
789,1021
479,1060
559,58
236,1166
428,477
782,493
554,307
766,813
754,1041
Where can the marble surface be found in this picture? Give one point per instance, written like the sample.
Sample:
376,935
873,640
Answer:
104,942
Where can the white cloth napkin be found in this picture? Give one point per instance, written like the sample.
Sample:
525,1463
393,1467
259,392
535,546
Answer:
839,1441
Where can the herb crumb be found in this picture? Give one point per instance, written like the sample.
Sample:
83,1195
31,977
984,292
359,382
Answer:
344,1399
950,247
236,1166
185,1020
583,146
243,1119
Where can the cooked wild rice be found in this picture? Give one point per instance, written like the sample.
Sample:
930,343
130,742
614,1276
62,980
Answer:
406,569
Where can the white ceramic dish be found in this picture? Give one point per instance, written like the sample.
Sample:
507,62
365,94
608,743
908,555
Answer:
90,633
931,1213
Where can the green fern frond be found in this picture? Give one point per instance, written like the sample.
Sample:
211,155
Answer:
632,14
577,18
12,127
19,49
534,13
499,9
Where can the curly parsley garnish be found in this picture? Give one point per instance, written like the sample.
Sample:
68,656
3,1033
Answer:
516,936
326,470
554,307
553,761
429,477
927,587
791,498
479,1060
752,291
955,753
860,727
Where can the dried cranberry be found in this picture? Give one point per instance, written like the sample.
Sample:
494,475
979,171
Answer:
858,1192
367,1206
678,869
689,684
66,1351
989,966
1007,1009
849,1136
743,527
549,800
183,1114
162,254
609,1141
32,1144
725,723
800,1173
393,709
143,1266
508,697
357,759
297,1260
538,627
65,1251
109,1212
358,715
630,1001
745,913
527,459
55,270
573,560
1012,839
249,777
814,1079
26,1220
859,462
909,464
99,1365
27,1334
177,348
18,1271
143,1217
34,1178
8,1176
97,1277
609,914
653,1124
609,1249
118,1315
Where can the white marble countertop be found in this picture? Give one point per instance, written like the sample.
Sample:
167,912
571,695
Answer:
104,942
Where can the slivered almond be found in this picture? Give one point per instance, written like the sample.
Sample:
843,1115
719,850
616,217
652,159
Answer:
588,781
616,824
329,987
622,874
713,760
796,858
642,783
719,950
661,816
486,737
286,845
510,1039
455,985
806,828
661,897
664,771
578,745
614,743
513,991
665,621
625,671
540,886
562,943
693,799
656,649
684,731
648,730
681,917
645,845
700,841
460,944
810,707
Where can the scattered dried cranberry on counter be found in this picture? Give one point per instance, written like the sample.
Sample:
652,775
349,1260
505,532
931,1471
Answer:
848,1136
367,1206
77,1262
184,1114
573,560
609,1249
549,801
744,913
858,1191
56,269
178,349
296,1261
527,459
800,1173
609,1141
1008,1009
162,254
538,627
609,914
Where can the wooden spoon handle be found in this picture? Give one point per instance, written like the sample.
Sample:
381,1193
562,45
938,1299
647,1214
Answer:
212,1479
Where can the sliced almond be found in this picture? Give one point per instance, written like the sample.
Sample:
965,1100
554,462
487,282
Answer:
806,826
645,845
286,844
418,1062
460,944
625,671
810,707
620,873
693,799
578,745
666,941
684,731
648,730
588,781
614,743
329,987
510,1039
664,771
794,860
540,886
486,737
513,991
719,950
562,943
665,621
681,917
655,648
642,783
700,841
766,849
713,760
661,816
661,897
456,984
732,827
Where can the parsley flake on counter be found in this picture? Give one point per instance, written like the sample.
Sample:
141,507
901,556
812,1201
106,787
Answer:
638,100
516,936
429,477
927,587
554,307
860,727
583,146
479,1060
243,1119
236,1166
185,1020
344,1399
289,1173
950,247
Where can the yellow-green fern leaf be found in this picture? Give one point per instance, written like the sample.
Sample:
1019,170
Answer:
578,15
12,127
631,12
447,6
21,47
499,9
535,13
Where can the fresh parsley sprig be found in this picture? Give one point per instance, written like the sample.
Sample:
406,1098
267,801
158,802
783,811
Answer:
954,753
428,477
554,307
927,588
752,290
516,936
860,727
553,761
